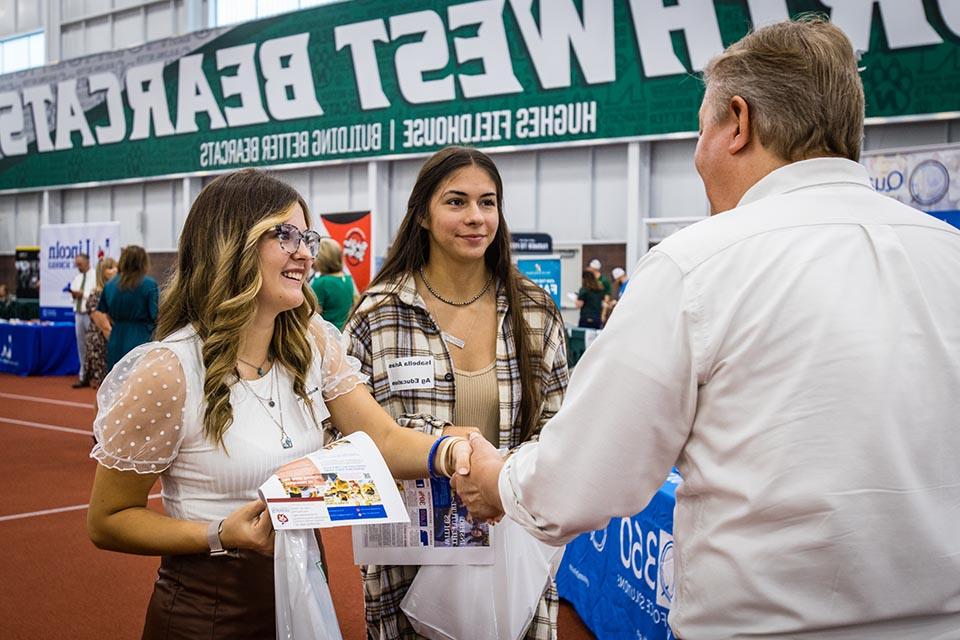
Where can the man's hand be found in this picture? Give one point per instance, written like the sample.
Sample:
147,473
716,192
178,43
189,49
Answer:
479,489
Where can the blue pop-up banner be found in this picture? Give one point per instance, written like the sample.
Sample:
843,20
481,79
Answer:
545,273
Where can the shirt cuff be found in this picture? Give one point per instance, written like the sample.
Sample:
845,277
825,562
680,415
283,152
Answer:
510,492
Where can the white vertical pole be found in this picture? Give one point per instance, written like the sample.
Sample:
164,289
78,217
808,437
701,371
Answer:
45,208
378,193
638,200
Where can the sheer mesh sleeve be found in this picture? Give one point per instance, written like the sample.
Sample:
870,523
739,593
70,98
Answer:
139,425
340,372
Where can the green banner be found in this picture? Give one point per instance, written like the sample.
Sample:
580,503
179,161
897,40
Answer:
376,78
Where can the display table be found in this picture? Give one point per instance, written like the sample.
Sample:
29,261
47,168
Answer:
38,349
620,579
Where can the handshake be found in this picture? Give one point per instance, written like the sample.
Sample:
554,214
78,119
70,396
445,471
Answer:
476,481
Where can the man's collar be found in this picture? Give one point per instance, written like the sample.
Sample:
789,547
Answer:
807,173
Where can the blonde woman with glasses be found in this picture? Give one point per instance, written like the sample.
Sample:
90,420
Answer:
240,381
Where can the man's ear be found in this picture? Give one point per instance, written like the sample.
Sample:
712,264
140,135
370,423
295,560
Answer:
740,111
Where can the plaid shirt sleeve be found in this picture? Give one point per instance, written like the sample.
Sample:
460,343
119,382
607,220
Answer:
554,371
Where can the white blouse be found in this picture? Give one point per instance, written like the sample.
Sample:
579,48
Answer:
151,421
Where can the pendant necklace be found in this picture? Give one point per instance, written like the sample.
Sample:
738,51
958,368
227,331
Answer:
260,371
269,398
285,441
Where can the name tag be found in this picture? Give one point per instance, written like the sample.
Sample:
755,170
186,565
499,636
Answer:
410,373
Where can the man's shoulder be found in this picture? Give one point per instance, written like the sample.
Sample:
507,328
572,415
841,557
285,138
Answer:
818,207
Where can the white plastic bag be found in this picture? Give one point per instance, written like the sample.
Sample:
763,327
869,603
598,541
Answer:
484,602
304,606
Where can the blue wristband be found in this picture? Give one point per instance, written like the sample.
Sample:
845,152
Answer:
430,456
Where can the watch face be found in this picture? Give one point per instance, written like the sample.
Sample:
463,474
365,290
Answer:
929,182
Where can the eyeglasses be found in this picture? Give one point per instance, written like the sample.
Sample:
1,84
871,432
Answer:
290,238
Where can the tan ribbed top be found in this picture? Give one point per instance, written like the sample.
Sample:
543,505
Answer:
478,401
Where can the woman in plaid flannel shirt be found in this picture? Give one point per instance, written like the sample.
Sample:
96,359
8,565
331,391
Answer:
448,293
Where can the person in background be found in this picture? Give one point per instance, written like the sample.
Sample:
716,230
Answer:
796,355
449,293
7,302
130,303
595,267
590,301
618,286
619,283
99,331
242,380
334,289
81,286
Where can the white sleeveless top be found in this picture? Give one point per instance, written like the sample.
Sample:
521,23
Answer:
150,420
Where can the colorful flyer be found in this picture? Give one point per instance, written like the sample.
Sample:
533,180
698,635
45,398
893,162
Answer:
345,483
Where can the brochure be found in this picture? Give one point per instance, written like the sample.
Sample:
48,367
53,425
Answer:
345,483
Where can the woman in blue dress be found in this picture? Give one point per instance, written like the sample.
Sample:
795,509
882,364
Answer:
130,301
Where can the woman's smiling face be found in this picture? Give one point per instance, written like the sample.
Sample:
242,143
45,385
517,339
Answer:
464,216
283,273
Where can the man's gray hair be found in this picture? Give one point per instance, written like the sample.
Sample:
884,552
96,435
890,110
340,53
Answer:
801,83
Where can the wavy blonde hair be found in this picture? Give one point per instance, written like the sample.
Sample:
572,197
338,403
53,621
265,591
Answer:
216,281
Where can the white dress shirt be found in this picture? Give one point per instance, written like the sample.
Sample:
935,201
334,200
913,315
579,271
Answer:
798,358
86,285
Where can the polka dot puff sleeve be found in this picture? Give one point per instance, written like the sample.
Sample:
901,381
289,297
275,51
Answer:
339,372
139,425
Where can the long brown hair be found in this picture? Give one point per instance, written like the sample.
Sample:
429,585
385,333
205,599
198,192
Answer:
590,281
134,264
216,281
410,250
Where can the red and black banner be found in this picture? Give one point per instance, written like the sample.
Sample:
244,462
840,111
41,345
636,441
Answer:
352,231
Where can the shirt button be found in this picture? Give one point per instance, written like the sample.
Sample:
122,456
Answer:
448,376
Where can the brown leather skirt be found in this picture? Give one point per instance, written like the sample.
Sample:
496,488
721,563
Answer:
198,596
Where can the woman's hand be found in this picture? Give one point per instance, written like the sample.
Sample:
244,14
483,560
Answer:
461,452
453,430
458,459
249,527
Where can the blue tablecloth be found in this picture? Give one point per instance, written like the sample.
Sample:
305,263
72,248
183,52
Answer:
620,579
48,349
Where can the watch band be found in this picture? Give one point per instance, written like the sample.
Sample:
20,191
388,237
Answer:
214,529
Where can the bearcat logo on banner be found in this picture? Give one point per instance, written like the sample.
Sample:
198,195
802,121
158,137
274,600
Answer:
382,78
352,231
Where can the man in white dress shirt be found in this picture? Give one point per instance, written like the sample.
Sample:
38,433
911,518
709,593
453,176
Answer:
81,286
796,356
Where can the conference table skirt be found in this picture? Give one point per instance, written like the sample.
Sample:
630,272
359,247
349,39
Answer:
32,349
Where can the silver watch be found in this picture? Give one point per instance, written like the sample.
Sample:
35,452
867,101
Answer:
214,529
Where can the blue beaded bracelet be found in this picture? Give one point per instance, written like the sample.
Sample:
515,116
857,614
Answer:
430,456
